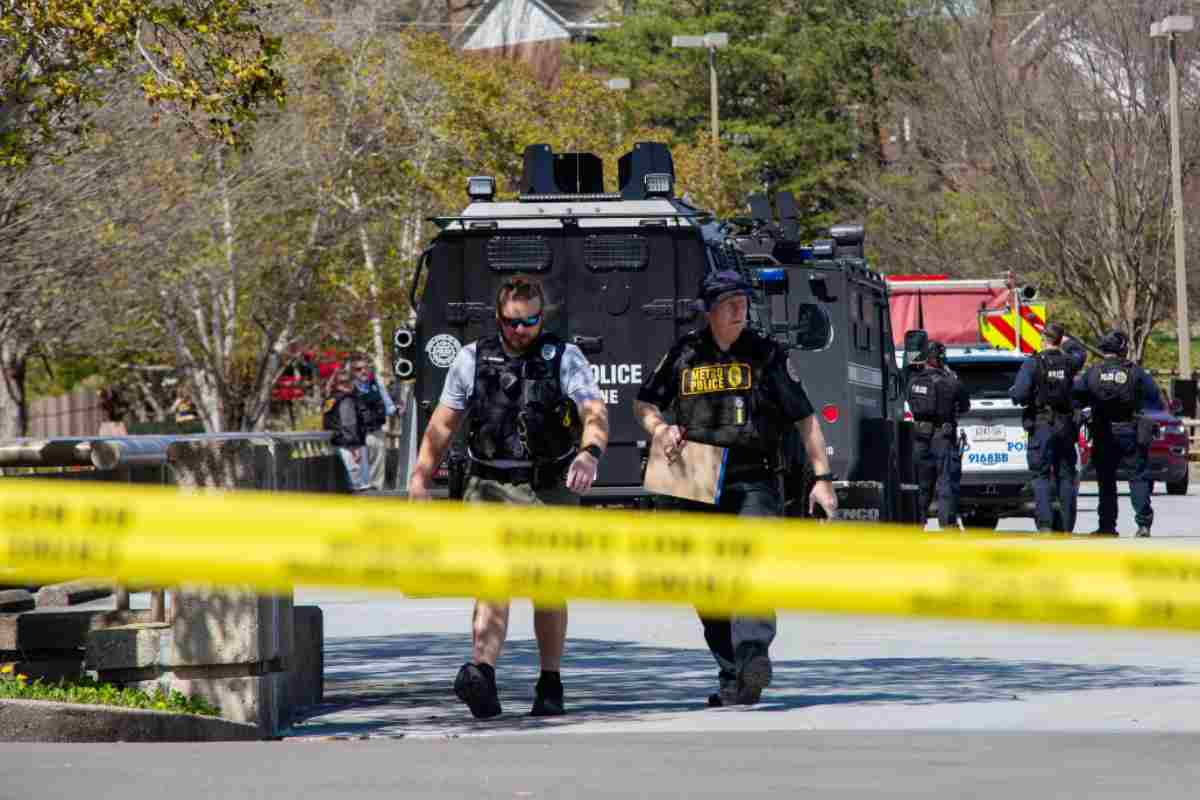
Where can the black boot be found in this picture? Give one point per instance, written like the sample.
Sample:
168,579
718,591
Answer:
548,701
475,685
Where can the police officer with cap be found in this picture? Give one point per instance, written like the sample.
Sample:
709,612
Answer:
525,392
728,386
1117,392
1045,386
936,397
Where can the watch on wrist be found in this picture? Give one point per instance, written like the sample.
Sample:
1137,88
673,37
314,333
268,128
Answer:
594,451
824,476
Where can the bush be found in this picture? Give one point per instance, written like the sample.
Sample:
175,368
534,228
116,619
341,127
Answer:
88,691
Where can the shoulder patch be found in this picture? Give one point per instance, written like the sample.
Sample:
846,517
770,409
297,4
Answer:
549,351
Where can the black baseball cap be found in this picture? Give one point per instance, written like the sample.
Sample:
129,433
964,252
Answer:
716,284
1115,342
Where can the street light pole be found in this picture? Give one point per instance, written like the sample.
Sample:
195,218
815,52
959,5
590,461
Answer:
619,84
711,41
1168,28
712,95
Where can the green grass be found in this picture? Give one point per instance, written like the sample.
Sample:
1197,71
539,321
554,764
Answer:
86,690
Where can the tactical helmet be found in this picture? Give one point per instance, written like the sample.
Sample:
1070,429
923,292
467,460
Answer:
936,351
715,284
1115,342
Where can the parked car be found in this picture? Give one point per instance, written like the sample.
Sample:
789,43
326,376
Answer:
1168,454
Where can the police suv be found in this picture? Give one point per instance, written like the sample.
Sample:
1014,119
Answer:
621,271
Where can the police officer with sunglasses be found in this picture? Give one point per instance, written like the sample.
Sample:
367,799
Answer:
538,427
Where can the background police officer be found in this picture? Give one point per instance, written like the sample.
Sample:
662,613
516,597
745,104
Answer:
748,415
936,397
525,392
1045,385
1117,391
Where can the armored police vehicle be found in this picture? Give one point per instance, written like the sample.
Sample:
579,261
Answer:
621,270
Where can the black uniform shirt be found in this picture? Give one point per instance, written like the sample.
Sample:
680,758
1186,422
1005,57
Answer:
782,385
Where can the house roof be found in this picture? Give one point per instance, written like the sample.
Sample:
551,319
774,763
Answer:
503,23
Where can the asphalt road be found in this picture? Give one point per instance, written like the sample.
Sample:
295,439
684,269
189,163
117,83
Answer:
859,706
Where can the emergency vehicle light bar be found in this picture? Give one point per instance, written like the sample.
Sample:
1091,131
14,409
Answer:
557,198
445,222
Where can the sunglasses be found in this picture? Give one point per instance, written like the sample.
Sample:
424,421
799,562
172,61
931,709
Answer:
528,322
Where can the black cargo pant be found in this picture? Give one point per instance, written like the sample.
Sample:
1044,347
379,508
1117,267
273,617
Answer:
1113,443
1052,461
755,496
937,460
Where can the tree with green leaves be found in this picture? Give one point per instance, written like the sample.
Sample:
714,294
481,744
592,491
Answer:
208,63
803,85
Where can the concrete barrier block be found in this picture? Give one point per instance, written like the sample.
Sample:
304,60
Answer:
127,647
229,627
260,700
223,464
306,675
13,600
59,630
72,593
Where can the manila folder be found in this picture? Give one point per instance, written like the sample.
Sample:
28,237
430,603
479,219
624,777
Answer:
696,474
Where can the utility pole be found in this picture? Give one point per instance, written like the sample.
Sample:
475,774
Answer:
1169,28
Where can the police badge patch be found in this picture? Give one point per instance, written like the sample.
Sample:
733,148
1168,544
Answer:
548,351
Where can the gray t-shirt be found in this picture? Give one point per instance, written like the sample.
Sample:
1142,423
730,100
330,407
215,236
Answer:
575,375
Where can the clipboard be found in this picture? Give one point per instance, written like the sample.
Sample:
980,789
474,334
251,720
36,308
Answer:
697,474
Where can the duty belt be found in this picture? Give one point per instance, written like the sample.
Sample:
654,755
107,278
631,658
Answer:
1050,415
539,474
927,427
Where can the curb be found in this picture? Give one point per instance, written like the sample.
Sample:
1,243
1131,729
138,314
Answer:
46,721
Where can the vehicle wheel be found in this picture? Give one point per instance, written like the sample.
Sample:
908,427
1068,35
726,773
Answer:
982,519
1178,487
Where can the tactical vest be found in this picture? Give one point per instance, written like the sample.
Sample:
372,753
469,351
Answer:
1113,385
331,421
931,396
518,410
1055,377
722,398
372,410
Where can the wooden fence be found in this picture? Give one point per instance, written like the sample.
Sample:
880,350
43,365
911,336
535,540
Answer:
76,414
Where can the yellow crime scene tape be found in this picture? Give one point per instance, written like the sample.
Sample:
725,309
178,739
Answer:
161,537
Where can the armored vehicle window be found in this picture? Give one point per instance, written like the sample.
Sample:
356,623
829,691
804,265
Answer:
986,380
608,253
519,254
814,331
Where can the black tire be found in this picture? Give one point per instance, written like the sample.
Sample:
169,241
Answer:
1178,487
982,519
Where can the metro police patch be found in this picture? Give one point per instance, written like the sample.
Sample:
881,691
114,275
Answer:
713,378
548,351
